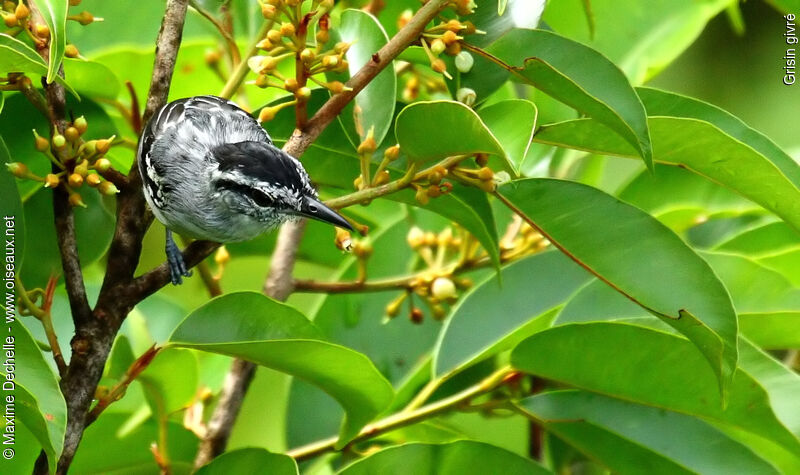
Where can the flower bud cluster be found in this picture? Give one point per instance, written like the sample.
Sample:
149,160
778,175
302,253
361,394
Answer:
437,286
289,39
79,162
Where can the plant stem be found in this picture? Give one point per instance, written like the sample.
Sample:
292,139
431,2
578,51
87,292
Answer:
237,77
230,43
119,389
405,418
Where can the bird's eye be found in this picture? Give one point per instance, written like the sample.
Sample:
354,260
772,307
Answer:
261,198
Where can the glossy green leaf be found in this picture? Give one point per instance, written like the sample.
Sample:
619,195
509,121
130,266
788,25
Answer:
512,122
374,105
772,330
670,188
781,383
457,128
640,258
668,104
250,460
766,302
643,40
17,57
703,139
631,438
653,368
761,240
579,77
33,385
170,381
272,334
91,78
111,445
12,204
525,290
54,13
459,457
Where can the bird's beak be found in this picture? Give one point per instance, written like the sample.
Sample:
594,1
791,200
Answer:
314,209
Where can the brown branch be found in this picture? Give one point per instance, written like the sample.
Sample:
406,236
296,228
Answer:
95,335
279,281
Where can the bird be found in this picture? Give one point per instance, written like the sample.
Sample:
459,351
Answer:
210,171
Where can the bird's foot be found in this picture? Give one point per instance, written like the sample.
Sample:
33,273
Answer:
177,266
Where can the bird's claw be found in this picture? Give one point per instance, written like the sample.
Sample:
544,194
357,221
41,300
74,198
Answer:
177,266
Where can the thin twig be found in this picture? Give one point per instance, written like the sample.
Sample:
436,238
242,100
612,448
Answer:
233,48
405,418
119,389
237,77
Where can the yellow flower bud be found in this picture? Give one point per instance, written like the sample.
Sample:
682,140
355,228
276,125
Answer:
76,200
72,134
75,180
102,165
443,289
71,51
51,180
287,29
18,169
59,141
93,180
267,114
81,124
107,188
21,12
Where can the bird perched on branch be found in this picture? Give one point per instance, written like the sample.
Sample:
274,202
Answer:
210,171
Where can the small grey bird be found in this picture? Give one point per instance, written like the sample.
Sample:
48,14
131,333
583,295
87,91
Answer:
210,171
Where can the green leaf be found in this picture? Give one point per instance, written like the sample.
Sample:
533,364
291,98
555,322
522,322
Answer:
17,57
464,456
643,40
781,383
113,446
653,368
374,105
640,258
579,77
54,13
457,128
772,330
33,385
708,141
12,204
91,78
250,460
630,438
512,122
170,381
761,240
525,290
272,334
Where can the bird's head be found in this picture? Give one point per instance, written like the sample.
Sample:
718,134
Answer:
263,182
